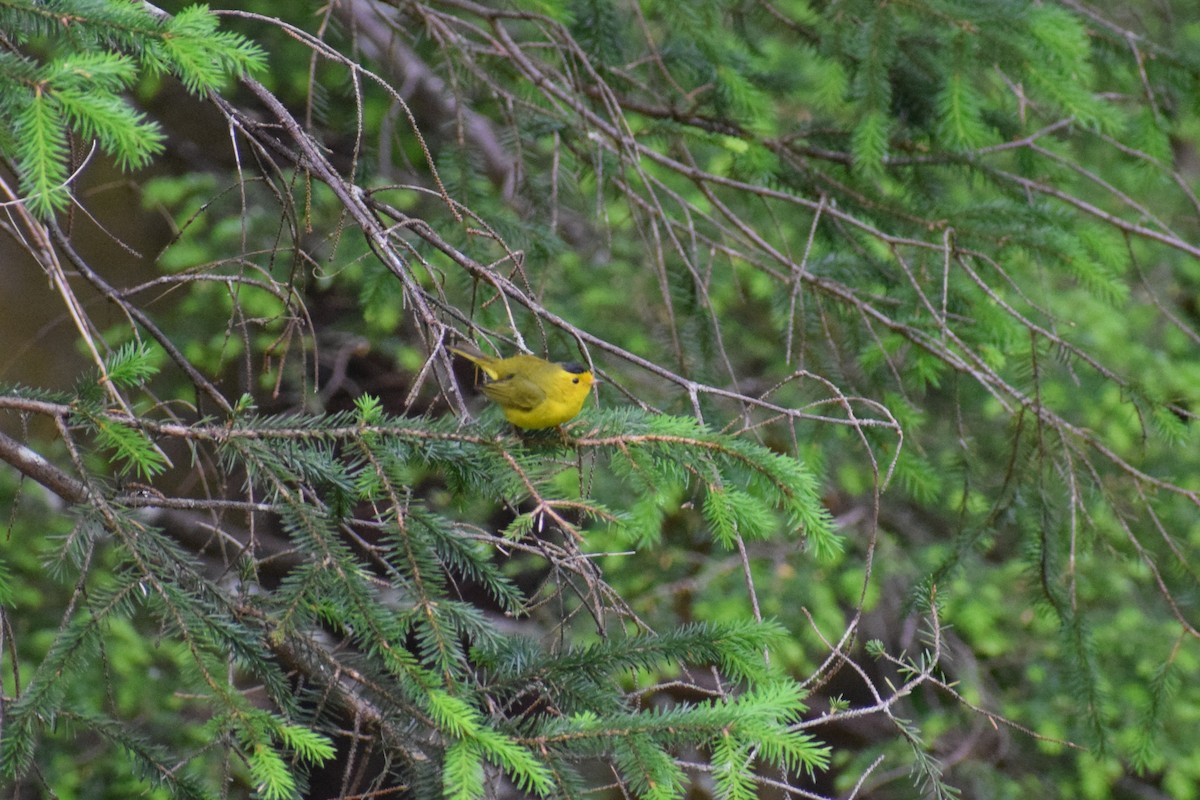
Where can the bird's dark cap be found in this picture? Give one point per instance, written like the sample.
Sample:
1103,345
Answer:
574,366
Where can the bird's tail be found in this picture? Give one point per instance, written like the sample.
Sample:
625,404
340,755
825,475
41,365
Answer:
476,358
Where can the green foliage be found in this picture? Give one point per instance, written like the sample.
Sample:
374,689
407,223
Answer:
128,367
960,118
191,47
756,720
272,775
751,492
895,307
596,26
445,665
76,87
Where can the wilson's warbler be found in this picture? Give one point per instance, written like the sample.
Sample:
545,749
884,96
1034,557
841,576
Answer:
532,392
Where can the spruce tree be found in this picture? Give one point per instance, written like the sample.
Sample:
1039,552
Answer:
888,488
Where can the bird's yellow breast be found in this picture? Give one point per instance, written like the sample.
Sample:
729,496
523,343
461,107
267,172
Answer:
551,411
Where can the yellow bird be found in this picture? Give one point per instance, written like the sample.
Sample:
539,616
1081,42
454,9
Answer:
532,392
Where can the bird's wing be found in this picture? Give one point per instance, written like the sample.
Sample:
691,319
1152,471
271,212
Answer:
516,392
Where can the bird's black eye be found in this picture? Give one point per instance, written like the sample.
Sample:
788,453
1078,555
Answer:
576,380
